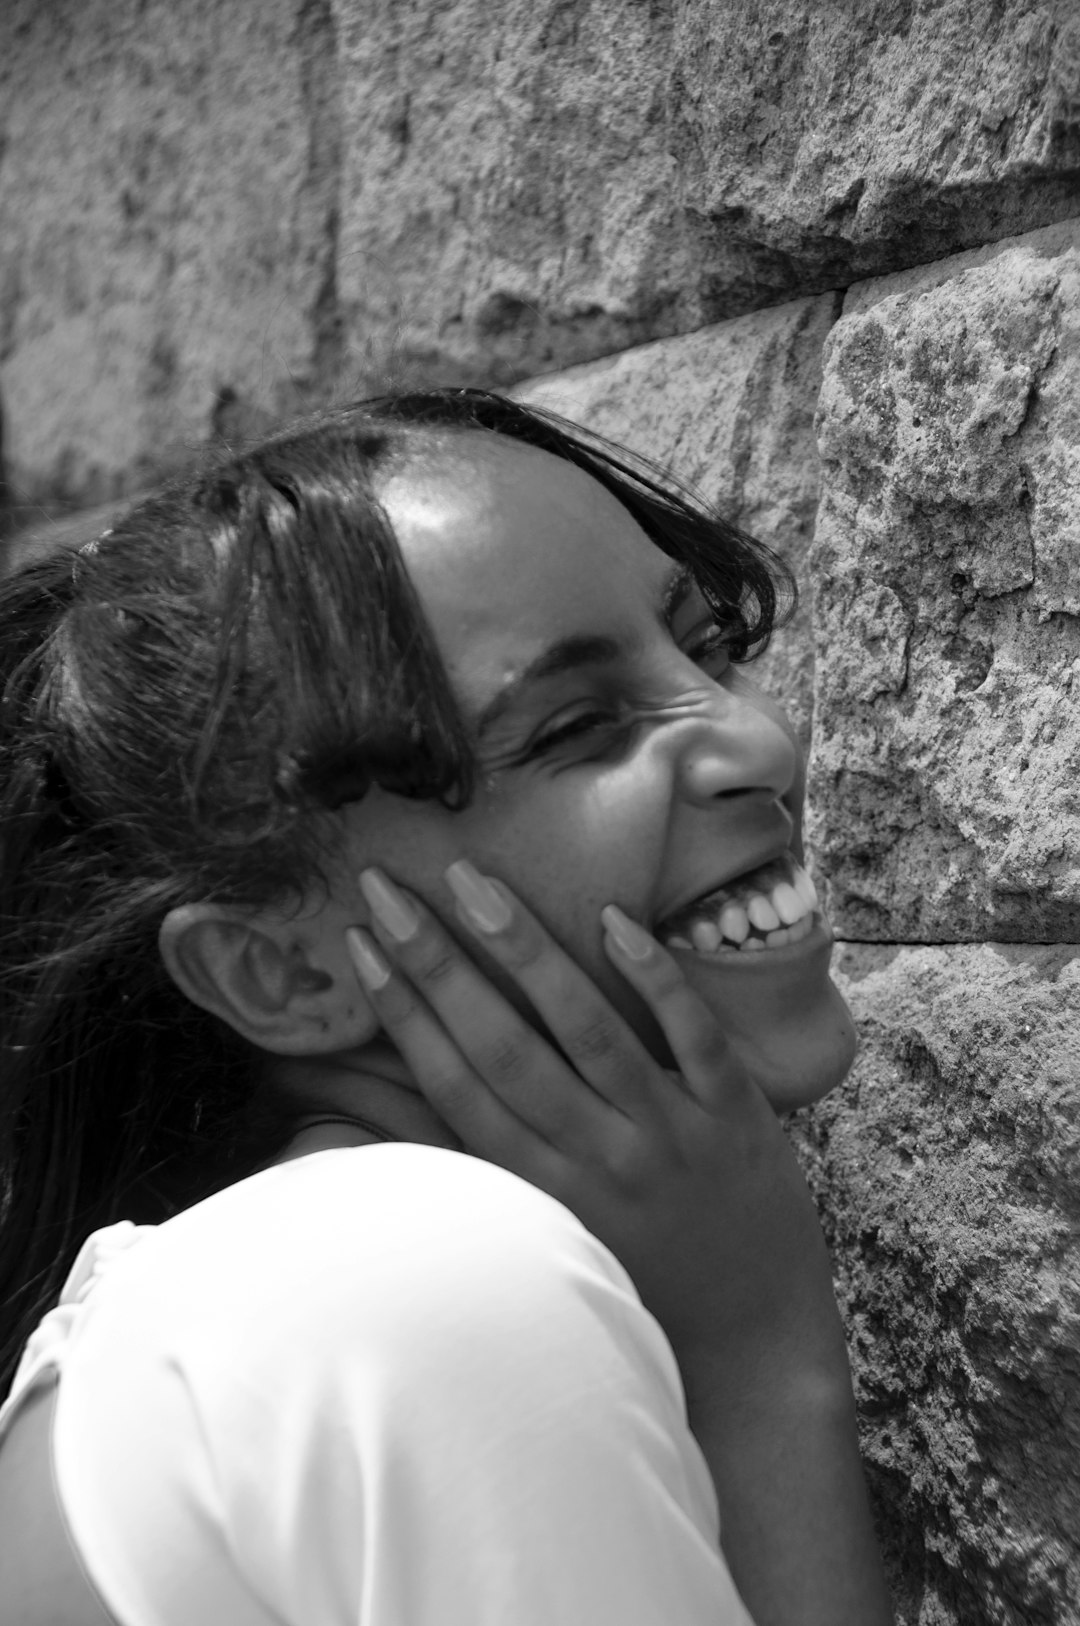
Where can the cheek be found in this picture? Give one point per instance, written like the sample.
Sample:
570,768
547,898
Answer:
573,847
565,848
573,842
548,850
413,842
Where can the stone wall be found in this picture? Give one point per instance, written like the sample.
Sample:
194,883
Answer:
946,811
825,260
936,658
212,211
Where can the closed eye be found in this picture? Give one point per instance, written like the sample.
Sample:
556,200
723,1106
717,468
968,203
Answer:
707,647
577,727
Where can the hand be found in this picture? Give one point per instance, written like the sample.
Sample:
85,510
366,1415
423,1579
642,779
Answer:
687,1177
689,1180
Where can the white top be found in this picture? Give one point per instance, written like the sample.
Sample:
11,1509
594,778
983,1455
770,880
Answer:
376,1386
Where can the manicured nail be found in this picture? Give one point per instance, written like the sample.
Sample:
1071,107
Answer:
371,968
633,939
390,907
484,906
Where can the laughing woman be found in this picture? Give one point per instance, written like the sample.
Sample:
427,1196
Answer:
406,949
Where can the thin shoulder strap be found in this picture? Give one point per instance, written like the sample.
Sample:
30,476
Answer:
354,1121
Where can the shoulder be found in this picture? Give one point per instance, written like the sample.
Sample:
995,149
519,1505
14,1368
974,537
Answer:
403,1339
425,1299
427,1239
412,1207
389,1243
348,1277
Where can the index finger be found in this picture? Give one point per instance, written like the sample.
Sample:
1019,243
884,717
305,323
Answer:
706,1061
598,1042
540,1081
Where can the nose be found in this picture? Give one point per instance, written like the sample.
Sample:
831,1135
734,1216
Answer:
738,747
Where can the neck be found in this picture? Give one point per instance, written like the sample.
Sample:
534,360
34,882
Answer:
373,1087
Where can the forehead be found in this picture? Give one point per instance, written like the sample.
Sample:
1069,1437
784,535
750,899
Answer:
511,549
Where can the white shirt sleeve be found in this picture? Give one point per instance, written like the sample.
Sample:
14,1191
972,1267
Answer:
384,1386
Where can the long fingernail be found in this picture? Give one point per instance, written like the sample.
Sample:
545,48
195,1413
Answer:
390,906
371,968
485,907
633,939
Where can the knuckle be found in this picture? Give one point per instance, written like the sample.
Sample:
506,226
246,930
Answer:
594,1039
453,1089
438,964
505,1061
396,1002
526,948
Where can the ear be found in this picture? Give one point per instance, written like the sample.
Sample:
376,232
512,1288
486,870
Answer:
269,982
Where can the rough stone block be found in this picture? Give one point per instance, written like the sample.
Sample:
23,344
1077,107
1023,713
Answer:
946,1172
945,786
164,231
214,210
730,410
530,185
819,143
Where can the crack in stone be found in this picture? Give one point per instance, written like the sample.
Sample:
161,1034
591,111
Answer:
322,94
954,942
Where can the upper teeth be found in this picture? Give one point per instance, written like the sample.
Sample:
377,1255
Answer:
775,905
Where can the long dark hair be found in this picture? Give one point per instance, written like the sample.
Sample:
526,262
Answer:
185,702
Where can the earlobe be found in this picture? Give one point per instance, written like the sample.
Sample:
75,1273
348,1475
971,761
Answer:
257,976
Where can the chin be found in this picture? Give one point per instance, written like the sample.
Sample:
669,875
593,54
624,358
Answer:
784,1017
796,1069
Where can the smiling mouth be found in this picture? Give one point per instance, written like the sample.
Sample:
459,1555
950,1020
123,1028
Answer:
767,908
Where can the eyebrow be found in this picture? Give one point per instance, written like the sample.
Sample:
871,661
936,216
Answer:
581,649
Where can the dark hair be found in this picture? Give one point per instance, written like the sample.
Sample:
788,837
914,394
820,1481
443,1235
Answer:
185,702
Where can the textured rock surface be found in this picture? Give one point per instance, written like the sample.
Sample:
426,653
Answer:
821,142
164,231
947,1171
731,410
946,753
214,209
946,789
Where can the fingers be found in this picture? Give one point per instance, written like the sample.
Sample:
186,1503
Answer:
483,1122
601,1048
454,1026
469,1047
595,1038
705,1059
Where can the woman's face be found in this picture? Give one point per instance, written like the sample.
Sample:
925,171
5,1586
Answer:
623,759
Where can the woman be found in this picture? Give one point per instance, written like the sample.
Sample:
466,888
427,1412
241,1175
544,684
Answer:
388,792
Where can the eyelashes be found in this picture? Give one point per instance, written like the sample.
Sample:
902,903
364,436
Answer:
613,723
580,727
